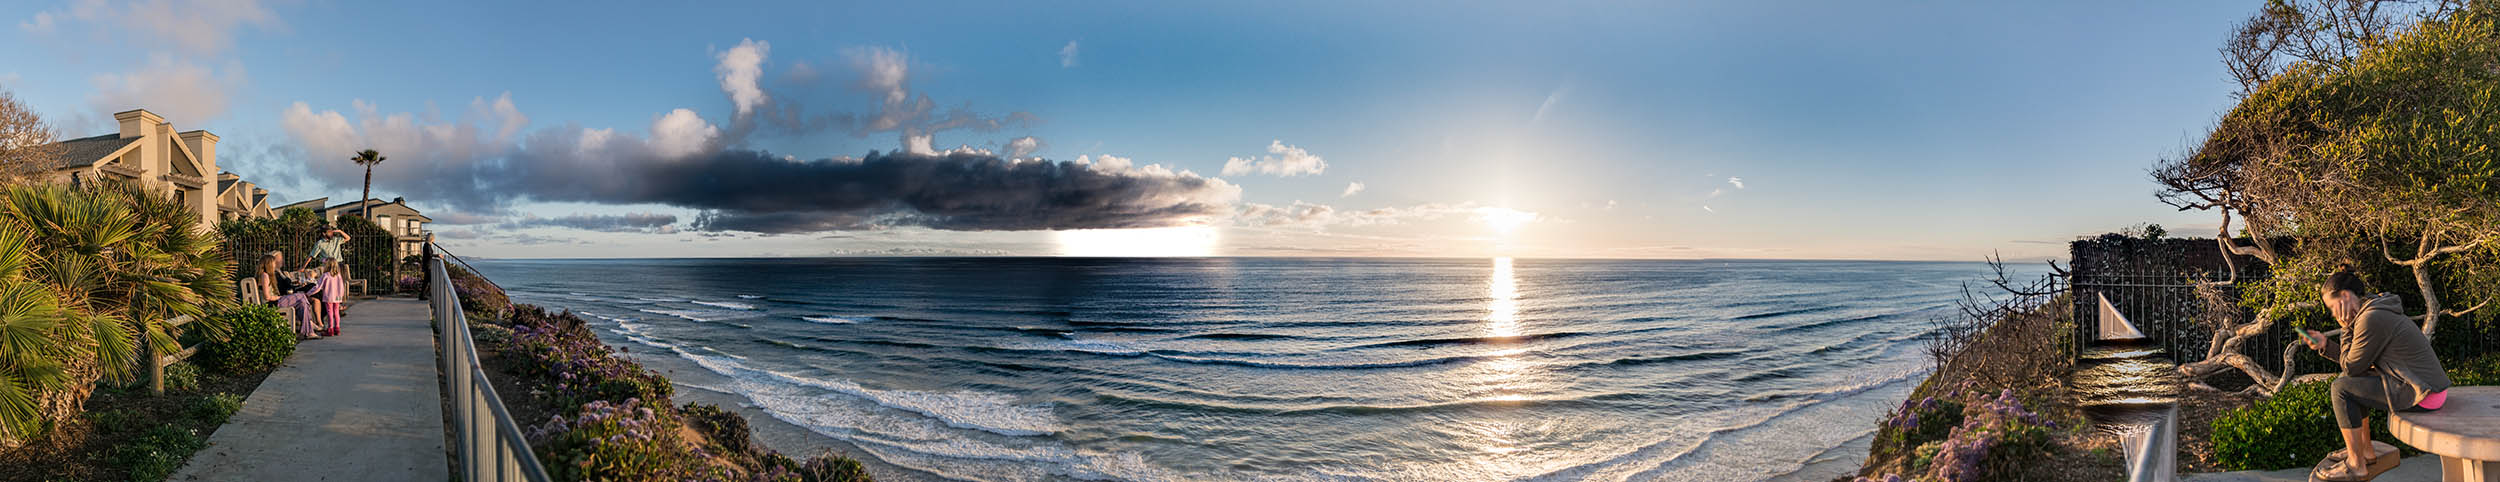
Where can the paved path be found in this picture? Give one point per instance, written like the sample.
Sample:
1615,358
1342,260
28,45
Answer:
2419,468
364,405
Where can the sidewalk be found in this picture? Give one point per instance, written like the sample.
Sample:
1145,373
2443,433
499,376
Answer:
364,405
2418,468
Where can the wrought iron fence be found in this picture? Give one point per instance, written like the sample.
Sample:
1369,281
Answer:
491,447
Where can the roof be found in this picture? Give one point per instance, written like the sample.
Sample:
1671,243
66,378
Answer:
352,207
85,151
313,204
224,185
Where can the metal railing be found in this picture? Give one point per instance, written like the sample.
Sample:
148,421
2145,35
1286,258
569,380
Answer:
490,446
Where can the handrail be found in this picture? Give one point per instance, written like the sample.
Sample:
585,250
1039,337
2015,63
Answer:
491,447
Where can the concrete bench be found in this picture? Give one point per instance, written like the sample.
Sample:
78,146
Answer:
2465,433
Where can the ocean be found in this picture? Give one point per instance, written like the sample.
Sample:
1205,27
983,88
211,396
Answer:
1280,368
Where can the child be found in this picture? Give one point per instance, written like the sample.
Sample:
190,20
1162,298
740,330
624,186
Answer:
333,282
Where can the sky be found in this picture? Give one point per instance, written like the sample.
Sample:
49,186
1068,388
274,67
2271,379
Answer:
1816,130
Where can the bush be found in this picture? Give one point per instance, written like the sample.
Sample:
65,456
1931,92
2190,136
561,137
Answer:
156,455
722,426
114,421
262,340
182,377
2294,429
574,368
625,441
214,409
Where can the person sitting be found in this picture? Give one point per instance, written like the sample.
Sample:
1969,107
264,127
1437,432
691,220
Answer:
2387,364
290,297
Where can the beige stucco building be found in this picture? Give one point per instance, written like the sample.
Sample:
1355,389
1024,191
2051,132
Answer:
147,150
240,199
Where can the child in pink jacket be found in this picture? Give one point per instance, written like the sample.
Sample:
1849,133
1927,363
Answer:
333,290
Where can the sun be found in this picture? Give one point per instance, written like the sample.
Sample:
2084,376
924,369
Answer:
1176,241
1504,220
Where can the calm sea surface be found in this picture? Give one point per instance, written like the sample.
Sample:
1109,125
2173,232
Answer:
1280,369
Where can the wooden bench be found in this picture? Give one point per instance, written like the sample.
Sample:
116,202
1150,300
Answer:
2465,433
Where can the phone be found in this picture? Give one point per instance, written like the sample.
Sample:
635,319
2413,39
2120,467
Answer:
2314,338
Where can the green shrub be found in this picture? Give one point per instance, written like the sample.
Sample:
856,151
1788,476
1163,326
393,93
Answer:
214,409
114,421
262,340
2293,429
157,454
831,468
2484,370
627,441
722,426
182,377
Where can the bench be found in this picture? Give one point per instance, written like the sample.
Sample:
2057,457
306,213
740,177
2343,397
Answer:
2465,433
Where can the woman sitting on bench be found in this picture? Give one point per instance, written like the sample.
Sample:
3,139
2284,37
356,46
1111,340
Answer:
2387,365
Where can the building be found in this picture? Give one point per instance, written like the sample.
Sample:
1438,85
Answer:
240,199
406,225
148,151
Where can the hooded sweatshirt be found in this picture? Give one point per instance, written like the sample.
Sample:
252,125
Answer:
2386,342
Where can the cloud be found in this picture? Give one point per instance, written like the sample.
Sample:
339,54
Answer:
1550,99
1707,208
739,69
200,27
1351,188
1316,216
1282,161
1067,55
634,222
1736,181
681,133
1022,146
183,92
484,163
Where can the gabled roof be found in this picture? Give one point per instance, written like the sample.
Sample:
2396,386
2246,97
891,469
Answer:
86,151
313,204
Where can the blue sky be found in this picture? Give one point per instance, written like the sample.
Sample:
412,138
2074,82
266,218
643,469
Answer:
1582,129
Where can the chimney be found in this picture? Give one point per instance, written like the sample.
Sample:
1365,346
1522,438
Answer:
138,122
202,143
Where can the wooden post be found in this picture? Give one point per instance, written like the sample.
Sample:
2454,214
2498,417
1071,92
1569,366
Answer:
156,365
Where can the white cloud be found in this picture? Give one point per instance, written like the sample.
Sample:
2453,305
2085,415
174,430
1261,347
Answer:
194,26
1548,106
1067,55
1022,146
1351,188
1283,161
681,133
183,92
739,69
1736,181
1707,208
1316,216
883,71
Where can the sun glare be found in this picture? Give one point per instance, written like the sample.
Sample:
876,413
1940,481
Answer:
1504,220
1177,241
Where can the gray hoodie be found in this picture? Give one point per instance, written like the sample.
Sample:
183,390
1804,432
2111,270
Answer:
2386,342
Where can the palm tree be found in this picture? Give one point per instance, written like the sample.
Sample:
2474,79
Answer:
367,158
85,273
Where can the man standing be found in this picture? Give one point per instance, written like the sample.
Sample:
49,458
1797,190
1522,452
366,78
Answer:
2387,365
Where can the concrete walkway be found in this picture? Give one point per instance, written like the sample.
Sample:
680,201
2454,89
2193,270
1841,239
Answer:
2418,468
364,405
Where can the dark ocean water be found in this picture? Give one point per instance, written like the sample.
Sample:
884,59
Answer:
1281,369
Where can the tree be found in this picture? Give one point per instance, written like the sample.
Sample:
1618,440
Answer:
2372,138
26,142
84,274
367,158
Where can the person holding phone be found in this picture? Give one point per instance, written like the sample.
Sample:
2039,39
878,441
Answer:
2387,364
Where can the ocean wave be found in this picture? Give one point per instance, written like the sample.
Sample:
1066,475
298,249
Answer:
1786,312
1316,365
1242,336
1473,340
725,304
1690,356
829,319
688,315
751,297
988,412
660,300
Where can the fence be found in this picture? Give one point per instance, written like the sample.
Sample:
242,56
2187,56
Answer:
370,266
491,448
156,364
